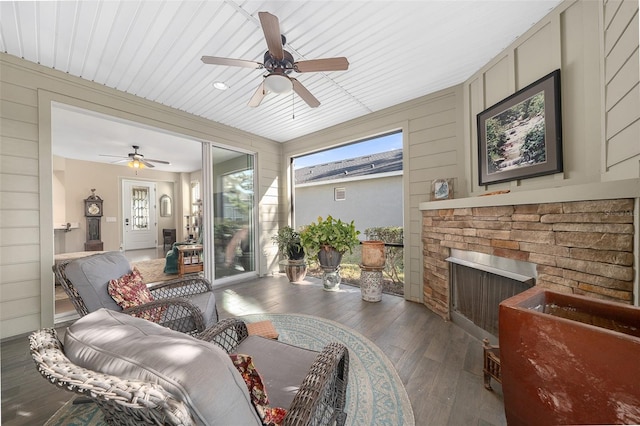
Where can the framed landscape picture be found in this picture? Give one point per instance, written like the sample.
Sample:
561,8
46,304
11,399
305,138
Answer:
521,136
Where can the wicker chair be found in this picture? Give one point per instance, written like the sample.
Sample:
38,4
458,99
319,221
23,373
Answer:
172,299
320,399
122,401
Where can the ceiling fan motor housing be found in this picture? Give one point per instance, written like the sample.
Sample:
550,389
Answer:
285,66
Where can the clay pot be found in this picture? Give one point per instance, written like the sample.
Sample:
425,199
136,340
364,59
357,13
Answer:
373,254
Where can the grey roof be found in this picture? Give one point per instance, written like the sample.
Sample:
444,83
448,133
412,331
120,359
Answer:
383,162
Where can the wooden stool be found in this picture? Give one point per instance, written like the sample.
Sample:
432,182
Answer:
262,328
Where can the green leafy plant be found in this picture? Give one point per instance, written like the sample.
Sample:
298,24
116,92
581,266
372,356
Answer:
288,241
342,236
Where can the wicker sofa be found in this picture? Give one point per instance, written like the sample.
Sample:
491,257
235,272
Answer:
141,373
187,304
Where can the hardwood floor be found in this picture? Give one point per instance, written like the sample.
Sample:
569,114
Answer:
439,363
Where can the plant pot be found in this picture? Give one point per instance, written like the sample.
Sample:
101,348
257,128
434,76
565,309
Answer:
569,359
331,279
296,270
371,284
373,254
329,258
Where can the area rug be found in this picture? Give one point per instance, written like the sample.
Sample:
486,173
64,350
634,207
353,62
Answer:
152,270
375,394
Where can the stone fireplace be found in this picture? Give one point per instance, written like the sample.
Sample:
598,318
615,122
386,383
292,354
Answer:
581,247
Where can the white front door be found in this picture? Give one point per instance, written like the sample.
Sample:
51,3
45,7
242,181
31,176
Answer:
140,227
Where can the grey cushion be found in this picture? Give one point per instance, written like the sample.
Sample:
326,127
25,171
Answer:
283,367
207,304
199,373
90,276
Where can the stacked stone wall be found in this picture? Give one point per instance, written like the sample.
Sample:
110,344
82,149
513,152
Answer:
581,247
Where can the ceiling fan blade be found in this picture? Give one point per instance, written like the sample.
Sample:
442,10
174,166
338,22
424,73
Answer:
271,29
157,161
147,164
305,94
114,156
258,96
328,64
214,60
125,160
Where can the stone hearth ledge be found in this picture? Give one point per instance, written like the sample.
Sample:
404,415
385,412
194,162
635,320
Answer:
629,188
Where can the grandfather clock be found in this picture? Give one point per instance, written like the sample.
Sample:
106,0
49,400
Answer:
93,213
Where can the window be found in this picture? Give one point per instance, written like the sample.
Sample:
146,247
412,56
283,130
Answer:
140,208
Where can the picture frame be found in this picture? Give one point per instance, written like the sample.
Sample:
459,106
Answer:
521,136
441,189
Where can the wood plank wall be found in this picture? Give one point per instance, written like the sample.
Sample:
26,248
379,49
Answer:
621,88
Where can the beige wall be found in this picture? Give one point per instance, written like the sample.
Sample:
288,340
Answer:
81,176
621,109
26,202
595,45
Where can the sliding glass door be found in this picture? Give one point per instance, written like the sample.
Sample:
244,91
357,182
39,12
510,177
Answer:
232,186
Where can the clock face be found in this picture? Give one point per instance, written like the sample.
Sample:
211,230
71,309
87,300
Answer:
93,209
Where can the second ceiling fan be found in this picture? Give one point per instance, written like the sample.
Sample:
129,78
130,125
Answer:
279,64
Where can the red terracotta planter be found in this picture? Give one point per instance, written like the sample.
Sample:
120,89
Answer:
569,359
373,253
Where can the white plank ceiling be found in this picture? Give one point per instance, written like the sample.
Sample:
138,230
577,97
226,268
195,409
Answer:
397,50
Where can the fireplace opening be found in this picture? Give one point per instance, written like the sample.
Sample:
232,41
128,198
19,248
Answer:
478,282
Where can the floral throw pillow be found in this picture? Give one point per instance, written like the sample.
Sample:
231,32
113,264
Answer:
271,416
130,291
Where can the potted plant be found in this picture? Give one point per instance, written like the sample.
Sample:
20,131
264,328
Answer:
290,249
328,240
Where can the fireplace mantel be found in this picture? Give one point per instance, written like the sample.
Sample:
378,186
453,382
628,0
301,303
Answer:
629,188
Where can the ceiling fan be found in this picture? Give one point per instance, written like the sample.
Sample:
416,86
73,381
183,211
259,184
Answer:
135,159
279,64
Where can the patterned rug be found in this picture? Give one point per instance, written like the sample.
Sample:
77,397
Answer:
152,271
375,394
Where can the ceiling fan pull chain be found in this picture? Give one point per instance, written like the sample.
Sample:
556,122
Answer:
293,107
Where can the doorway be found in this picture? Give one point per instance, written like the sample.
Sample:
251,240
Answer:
139,226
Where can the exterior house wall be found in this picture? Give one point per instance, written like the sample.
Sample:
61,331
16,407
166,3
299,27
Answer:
381,195
26,204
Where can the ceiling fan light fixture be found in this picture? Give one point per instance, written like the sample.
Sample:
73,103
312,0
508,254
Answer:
277,83
136,164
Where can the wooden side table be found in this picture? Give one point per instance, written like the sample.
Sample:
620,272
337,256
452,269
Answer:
189,259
